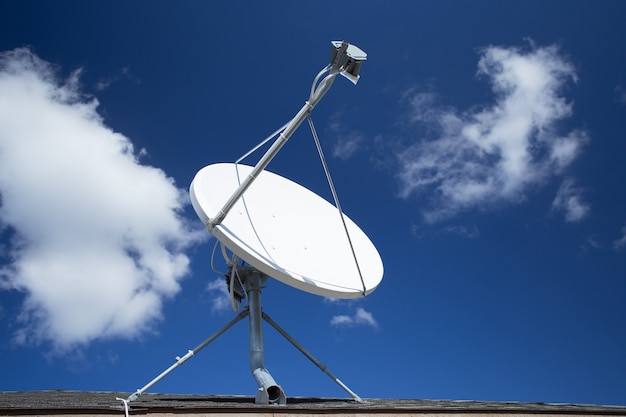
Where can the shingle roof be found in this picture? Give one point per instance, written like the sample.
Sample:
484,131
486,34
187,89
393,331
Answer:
73,402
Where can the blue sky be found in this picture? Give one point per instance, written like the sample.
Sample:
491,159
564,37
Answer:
482,151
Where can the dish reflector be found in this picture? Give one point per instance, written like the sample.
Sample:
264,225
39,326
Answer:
287,232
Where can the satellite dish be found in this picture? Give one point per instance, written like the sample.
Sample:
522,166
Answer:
288,232
285,231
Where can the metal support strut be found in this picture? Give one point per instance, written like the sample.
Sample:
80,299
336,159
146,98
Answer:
190,353
269,391
317,363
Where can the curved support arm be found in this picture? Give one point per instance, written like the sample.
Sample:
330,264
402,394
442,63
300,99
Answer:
345,59
283,137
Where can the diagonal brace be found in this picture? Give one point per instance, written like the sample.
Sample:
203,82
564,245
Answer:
190,353
317,363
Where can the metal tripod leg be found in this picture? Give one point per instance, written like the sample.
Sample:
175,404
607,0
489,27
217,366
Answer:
322,367
190,353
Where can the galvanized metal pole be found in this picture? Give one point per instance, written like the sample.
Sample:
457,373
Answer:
269,391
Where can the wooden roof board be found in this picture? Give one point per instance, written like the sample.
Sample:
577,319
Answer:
80,402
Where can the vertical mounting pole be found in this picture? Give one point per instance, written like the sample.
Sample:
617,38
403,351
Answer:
269,391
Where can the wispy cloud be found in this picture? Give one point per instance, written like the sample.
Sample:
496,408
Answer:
594,242
347,145
220,299
97,238
346,141
470,231
492,154
621,242
570,201
124,74
360,318
620,94
467,232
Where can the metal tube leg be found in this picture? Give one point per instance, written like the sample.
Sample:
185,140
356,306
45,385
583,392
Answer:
311,358
190,353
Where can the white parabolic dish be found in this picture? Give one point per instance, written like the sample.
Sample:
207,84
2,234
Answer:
287,232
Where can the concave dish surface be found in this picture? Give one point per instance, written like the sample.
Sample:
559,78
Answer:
287,232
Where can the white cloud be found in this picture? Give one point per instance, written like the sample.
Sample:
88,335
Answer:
341,320
105,82
470,232
594,242
489,155
360,318
347,145
98,238
220,299
347,141
620,94
621,242
569,200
